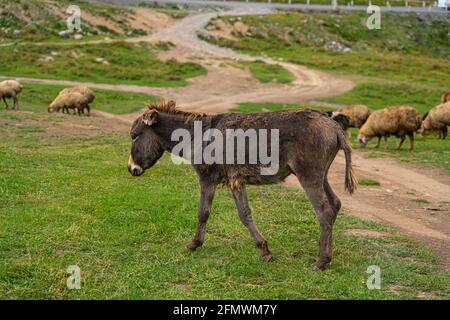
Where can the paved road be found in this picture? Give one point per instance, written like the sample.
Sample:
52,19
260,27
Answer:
258,6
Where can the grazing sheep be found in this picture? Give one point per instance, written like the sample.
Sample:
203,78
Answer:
445,97
69,100
85,91
10,89
399,121
357,115
437,119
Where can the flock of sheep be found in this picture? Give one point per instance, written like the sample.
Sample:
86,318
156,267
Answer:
400,121
76,98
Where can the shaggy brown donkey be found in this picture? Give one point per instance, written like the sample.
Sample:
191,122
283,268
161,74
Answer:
308,143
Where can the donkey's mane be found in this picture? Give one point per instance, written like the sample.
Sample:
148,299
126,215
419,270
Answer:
170,108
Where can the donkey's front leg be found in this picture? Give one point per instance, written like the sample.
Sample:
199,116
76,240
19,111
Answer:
207,190
245,214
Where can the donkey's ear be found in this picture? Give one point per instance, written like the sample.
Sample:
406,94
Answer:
150,117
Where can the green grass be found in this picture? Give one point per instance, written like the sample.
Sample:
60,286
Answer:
378,95
70,201
368,182
37,97
266,73
34,20
125,63
428,150
422,201
406,48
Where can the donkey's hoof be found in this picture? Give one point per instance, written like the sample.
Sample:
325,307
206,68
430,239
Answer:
320,265
268,257
193,245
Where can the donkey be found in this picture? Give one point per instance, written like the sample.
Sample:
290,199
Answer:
308,143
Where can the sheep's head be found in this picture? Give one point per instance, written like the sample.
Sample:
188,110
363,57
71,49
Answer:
425,129
362,139
52,109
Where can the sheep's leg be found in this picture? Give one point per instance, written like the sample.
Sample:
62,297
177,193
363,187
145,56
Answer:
411,141
16,103
6,104
399,145
378,142
245,214
385,142
88,110
444,132
206,198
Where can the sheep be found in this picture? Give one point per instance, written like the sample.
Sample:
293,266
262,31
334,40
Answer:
437,119
399,121
85,91
10,89
445,97
357,115
69,100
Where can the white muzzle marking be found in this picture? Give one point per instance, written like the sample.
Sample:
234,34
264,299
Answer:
133,165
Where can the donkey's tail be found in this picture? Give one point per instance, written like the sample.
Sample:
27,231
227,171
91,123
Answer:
350,180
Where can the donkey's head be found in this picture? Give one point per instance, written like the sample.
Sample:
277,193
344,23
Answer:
146,147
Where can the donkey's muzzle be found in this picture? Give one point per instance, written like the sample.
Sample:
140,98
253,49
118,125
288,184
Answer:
133,168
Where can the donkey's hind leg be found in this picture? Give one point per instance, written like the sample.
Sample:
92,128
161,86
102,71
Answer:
333,199
245,214
206,198
326,212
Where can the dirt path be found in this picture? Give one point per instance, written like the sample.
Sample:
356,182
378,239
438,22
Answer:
414,199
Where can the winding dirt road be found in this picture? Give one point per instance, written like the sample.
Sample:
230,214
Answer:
414,199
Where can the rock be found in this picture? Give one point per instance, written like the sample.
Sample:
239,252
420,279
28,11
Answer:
64,34
101,60
337,47
78,36
46,59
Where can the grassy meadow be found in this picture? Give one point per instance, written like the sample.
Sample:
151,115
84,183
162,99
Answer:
69,200
37,97
266,73
117,62
407,48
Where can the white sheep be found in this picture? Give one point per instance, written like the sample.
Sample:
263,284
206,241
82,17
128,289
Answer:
69,100
83,90
10,89
437,119
399,121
